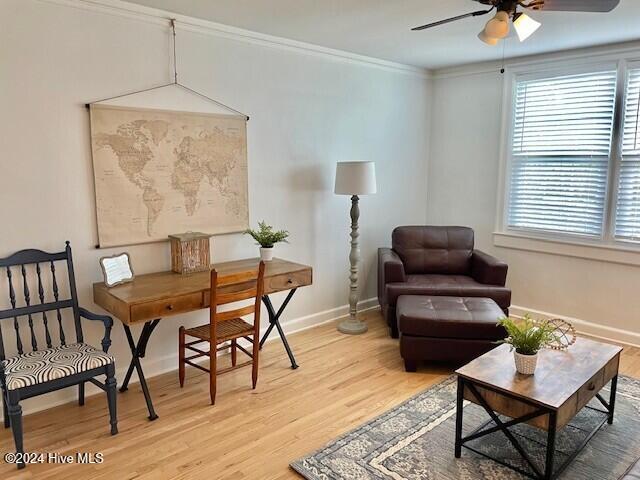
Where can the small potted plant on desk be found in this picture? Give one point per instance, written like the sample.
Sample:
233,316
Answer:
526,338
267,238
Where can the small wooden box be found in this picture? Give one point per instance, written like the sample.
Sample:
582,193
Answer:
190,252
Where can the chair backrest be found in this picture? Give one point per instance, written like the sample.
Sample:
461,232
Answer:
431,249
235,287
34,291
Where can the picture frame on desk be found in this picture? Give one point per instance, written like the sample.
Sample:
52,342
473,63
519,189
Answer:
116,269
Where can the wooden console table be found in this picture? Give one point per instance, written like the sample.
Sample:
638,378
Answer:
149,298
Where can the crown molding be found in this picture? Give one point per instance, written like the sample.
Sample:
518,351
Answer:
206,27
541,59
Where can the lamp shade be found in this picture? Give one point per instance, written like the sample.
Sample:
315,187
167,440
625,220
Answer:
498,26
355,178
525,26
487,39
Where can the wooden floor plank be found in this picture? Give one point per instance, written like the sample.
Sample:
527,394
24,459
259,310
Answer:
249,434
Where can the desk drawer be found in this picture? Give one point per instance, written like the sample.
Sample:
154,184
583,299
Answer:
164,308
589,389
278,283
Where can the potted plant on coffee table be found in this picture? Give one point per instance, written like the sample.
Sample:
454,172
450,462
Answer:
266,237
526,338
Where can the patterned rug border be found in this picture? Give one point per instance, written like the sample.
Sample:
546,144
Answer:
297,465
370,421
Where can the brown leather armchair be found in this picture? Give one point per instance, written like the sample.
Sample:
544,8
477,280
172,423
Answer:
441,261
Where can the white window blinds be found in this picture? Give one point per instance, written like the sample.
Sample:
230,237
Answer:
628,199
561,140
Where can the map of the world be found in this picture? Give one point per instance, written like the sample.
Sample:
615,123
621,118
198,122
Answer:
161,172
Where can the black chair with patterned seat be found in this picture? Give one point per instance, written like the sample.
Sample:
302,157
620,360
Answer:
29,374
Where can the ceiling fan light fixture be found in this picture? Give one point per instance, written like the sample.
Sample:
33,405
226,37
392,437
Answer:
487,39
498,26
525,25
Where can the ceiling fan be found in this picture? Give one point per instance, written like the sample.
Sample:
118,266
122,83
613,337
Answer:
507,10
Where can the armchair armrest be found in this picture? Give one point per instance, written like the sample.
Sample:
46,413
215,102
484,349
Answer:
488,269
390,269
105,319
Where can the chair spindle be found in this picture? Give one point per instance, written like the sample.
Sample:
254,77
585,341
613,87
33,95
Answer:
55,296
27,300
12,298
47,335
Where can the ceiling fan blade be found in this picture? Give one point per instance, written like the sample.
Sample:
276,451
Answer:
452,19
574,5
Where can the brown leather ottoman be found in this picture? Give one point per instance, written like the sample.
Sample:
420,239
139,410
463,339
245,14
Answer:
446,328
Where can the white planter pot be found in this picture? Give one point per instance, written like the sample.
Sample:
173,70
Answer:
266,254
525,364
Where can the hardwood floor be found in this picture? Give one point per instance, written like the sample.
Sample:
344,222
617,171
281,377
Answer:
249,434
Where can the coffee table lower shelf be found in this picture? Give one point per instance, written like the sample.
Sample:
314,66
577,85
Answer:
496,424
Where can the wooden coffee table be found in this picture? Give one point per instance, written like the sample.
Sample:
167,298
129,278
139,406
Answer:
563,384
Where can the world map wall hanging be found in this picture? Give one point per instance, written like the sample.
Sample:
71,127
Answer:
158,172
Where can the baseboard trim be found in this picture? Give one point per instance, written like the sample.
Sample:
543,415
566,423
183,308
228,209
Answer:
603,332
155,366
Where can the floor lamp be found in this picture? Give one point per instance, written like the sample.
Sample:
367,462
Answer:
354,178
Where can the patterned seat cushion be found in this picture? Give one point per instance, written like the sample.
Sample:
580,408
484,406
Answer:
46,365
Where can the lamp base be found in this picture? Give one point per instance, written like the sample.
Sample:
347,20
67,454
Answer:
352,326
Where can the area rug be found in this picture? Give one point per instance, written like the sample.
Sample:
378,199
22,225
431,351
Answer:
415,441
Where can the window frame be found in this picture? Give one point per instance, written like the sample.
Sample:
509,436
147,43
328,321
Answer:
544,240
626,65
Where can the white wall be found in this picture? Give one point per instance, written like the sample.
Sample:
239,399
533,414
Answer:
308,110
601,297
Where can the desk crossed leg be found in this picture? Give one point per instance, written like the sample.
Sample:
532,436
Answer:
139,348
274,321
138,351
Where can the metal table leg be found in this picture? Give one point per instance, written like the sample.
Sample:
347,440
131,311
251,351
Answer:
551,446
138,351
495,424
459,413
274,321
612,399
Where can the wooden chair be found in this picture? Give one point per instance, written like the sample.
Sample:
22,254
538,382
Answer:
40,371
226,327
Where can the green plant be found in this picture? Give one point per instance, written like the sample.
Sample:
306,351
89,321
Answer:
528,336
266,236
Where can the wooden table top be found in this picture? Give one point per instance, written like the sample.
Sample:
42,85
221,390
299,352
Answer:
163,294
559,374
160,285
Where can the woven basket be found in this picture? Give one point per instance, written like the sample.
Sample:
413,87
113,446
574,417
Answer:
525,364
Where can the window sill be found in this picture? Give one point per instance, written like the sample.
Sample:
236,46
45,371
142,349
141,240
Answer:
577,249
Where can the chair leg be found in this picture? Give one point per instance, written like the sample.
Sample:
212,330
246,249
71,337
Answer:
234,352
181,355
5,412
254,360
81,394
111,398
15,414
213,361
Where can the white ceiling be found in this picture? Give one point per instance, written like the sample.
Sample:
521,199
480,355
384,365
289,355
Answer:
381,28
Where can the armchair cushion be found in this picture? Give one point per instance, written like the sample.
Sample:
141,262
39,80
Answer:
447,285
46,365
434,250
487,269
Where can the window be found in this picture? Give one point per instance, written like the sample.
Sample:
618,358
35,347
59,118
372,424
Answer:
574,165
628,195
